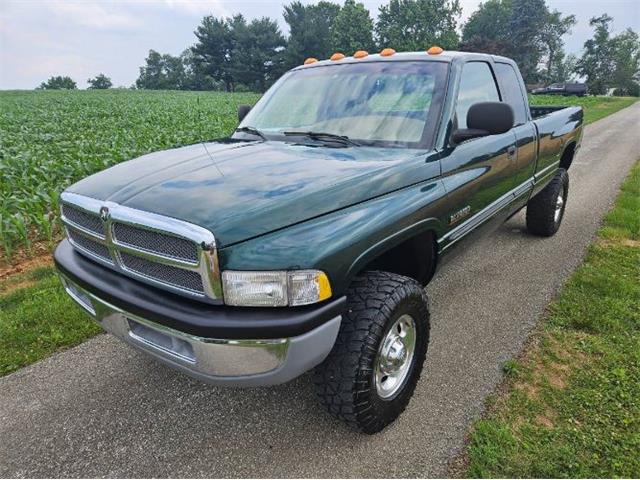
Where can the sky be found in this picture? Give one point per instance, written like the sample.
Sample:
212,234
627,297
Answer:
81,38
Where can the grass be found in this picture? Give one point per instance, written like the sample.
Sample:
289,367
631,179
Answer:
595,108
570,406
50,139
37,318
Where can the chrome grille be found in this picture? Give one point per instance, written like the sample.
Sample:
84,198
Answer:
83,219
92,246
155,242
165,273
165,252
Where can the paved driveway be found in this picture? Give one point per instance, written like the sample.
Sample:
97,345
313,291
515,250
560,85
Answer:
102,409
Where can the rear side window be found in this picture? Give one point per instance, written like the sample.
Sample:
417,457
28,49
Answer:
476,85
511,91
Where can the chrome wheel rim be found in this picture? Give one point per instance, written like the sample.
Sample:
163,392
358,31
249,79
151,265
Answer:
559,205
395,356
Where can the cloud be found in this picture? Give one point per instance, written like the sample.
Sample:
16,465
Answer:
98,15
198,7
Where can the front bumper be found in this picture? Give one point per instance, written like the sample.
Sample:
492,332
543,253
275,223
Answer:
243,361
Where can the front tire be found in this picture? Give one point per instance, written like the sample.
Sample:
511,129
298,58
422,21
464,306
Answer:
370,375
546,210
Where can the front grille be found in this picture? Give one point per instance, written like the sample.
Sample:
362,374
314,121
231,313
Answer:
165,252
91,245
84,219
156,242
164,273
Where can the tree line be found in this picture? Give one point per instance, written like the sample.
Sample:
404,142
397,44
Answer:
234,54
99,82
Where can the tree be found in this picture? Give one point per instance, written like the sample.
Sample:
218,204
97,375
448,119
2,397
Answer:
626,52
58,83
212,52
418,24
161,72
100,82
555,27
611,62
151,75
257,58
525,27
597,63
195,78
352,29
309,31
234,52
487,30
524,30
562,69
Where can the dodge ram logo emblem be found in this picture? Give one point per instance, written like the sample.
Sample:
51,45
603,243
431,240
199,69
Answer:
104,214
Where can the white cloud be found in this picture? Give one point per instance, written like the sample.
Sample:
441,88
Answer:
100,15
198,7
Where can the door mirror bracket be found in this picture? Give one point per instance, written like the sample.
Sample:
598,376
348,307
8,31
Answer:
242,111
463,134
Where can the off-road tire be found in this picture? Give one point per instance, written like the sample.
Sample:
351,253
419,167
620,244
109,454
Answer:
345,382
541,209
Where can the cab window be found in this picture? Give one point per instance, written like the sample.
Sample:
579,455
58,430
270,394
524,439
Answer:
511,91
476,85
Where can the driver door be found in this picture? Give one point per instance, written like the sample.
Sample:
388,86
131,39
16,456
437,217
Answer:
477,174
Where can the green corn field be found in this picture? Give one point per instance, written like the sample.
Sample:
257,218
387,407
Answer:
50,139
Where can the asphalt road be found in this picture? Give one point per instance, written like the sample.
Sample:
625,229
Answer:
102,409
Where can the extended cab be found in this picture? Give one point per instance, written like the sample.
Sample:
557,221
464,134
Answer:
305,239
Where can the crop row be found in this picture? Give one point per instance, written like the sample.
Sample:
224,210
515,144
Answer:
49,140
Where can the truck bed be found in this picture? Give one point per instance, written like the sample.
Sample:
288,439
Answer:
538,111
557,126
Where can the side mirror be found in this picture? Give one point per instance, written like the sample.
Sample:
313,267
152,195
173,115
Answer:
485,118
242,111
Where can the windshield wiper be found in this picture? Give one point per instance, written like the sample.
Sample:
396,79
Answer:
324,136
252,131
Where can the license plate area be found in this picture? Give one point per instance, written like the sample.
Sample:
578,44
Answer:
167,344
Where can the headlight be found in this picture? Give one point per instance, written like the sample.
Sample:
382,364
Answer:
275,289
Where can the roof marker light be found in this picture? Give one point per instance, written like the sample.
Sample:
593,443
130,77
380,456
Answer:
360,54
337,56
310,60
387,52
435,50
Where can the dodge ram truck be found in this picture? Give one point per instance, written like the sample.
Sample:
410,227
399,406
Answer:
305,239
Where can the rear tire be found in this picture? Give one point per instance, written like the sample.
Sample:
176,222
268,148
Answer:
370,375
546,210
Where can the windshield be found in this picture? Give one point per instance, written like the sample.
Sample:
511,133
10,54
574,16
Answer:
377,103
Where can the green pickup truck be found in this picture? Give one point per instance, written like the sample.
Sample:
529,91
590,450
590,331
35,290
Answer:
304,241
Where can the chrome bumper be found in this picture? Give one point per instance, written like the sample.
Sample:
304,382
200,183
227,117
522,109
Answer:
217,361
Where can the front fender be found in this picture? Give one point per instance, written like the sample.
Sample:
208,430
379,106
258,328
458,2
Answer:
341,243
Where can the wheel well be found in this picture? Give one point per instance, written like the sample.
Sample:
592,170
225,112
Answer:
415,258
567,156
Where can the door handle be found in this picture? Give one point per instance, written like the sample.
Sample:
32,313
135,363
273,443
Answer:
511,152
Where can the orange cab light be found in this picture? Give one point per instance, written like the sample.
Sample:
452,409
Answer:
435,50
387,52
337,56
310,60
360,54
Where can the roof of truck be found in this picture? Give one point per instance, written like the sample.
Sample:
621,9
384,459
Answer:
445,56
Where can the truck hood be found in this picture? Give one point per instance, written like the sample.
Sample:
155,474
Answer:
239,190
